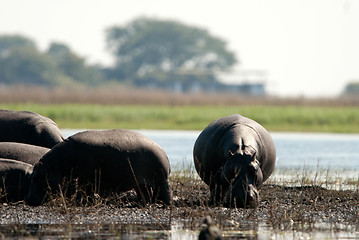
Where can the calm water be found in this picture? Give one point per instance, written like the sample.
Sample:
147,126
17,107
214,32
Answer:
294,150
247,230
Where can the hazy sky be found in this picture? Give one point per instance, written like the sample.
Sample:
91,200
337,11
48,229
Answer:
308,47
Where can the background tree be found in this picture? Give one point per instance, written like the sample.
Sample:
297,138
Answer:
73,66
351,89
9,42
150,47
22,63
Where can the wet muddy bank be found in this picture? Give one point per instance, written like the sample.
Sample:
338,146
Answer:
302,208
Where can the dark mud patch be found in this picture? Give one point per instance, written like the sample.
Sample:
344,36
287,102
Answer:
305,208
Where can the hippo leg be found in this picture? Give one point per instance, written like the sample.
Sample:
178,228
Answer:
144,193
162,193
159,193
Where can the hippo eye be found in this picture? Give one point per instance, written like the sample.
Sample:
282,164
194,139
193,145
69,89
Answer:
254,165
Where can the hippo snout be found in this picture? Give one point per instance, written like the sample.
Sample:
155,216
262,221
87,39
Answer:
33,199
34,196
240,197
252,197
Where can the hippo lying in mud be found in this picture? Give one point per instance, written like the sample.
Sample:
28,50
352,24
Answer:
14,180
234,155
22,152
28,127
103,162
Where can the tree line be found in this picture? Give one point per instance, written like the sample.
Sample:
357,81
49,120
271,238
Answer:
21,62
148,52
145,50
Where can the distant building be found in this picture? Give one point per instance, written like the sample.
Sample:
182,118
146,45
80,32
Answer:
246,82
251,83
252,89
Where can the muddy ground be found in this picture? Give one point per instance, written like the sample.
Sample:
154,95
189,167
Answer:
280,207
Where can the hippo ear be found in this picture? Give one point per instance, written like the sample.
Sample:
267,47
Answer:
230,153
254,156
37,164
251,152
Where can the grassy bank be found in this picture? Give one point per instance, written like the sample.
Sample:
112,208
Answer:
273,117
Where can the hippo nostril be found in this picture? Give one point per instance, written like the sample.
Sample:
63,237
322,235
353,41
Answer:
252,197
248,197
253,194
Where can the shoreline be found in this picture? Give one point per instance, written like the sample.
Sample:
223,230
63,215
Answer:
304,204
281,210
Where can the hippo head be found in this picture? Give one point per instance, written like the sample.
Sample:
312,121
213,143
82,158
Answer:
240,177
39,185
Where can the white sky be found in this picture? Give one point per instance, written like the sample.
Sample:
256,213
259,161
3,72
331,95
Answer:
308,47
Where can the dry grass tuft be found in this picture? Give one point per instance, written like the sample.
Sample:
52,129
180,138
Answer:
124,95
299,208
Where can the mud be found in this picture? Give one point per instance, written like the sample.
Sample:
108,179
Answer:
300,208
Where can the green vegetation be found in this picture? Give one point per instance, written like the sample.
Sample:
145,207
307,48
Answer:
274,118
21,62
352,89
147,52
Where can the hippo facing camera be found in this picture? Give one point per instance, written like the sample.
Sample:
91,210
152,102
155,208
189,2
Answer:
234,155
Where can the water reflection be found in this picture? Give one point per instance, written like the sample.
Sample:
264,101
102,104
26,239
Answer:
177,230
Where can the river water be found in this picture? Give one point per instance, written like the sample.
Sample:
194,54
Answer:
296,152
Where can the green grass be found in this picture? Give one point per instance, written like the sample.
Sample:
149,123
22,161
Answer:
274,118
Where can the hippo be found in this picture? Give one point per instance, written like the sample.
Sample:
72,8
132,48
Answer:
103,162
28,127
22,152
14,180
234,155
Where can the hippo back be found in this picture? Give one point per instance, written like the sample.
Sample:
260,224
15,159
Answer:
28,127
209,157
22,152
121,142
119,153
